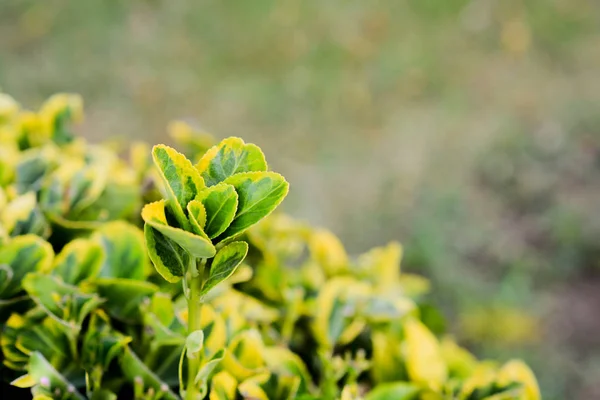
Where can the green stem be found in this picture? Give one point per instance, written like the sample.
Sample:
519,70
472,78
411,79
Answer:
196,277
329,387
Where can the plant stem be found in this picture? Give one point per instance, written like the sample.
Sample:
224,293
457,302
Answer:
329,385
196,276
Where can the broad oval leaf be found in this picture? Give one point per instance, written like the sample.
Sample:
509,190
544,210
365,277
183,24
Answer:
221,203
125,251
259,193
198,246
170,259
224,264
79,260
24,254
229,157
182,181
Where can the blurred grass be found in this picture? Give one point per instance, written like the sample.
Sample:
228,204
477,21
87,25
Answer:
467,129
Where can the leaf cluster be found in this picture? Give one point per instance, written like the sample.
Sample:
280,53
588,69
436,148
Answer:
287,313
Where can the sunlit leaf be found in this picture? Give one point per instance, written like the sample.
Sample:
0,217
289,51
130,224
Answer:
224,264
220,202
182,181
259,193
230,157
155,215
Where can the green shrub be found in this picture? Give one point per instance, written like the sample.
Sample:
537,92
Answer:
240,304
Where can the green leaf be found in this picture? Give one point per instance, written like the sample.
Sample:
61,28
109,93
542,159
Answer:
79,260
197,214
24,254
101,344
224,264
154,214
133,369
125,250
22,215
44,374
161,305
103,394
21,336
194,343
259,193
65,303
220,202
124,296
230,157
396,391
170,259
6,275
182,181
209,367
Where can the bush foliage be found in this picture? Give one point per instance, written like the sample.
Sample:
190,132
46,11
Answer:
202,293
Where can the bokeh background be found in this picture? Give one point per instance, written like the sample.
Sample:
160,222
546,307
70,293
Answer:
467,129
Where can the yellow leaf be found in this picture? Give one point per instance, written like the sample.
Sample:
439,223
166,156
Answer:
518,371
424,360
223,387
250,389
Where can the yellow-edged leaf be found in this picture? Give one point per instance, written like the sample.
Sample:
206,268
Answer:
221,203
181,180
154,214
259,193
229,157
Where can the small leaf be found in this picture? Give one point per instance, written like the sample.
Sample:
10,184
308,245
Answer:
209,367
194,343
170,259
79,260
182,181
25,381
197,214
220,202
224,264
259,193
154,214
228,158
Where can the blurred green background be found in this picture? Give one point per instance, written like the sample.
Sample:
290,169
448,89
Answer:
467,129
